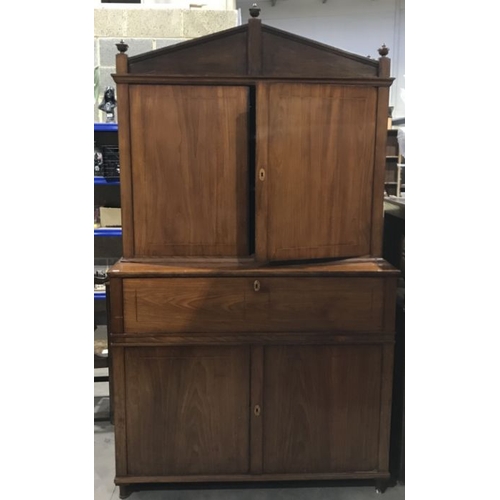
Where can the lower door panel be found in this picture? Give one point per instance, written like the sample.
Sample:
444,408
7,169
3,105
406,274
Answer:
187,410
321,408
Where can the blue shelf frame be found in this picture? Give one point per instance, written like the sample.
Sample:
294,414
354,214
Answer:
99,295
107,231
105,127
103,181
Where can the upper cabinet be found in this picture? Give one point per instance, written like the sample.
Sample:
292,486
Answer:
252,142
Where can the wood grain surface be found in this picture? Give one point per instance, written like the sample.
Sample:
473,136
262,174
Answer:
321,410
187,410
252,318
310,58
377,222
232,305
189,170
126,197
194,267
256,388
253,478
213,55
118,375
253,49
138,339
319,171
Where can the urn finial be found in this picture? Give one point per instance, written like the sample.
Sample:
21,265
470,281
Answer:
254,10
122,46
383,51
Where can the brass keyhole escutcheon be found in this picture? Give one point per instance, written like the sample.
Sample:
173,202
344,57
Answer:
256,410
256,285
262,174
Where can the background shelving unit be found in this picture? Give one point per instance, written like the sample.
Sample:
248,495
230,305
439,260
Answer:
394,184
107,249
107,231
103,181
105,127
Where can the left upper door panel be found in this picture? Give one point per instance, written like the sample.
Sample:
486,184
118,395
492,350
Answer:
189,152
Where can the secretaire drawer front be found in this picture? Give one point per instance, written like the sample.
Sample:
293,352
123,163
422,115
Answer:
180,305
324,304
260,304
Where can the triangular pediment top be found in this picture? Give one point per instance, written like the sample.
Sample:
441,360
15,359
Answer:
255,50
318,45
202,40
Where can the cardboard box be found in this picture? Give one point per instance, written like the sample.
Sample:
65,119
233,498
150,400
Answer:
110,217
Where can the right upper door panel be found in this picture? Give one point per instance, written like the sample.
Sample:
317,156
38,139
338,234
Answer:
315,158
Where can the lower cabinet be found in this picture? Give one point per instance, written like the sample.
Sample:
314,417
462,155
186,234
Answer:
251,374
240,410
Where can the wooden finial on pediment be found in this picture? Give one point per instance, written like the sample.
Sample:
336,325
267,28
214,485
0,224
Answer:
254,10
384,63
383,51
121,58
122,47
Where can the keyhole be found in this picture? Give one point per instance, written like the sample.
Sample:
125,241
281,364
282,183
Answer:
256,410
256,285
262,174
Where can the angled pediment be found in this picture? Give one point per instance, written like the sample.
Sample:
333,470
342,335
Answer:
222,53
253,50
287,55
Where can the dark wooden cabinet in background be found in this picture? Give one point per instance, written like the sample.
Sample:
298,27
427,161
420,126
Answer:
252,317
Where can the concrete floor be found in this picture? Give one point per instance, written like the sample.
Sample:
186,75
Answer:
104,470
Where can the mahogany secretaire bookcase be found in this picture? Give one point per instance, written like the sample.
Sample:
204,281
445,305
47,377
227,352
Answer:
251,317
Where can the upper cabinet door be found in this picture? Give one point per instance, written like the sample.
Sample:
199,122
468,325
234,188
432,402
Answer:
314,175
189,166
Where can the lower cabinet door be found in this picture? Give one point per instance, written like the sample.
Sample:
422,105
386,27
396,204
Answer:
321,408
187,410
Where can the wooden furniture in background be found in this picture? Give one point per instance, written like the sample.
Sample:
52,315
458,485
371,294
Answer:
394,253
252,317
395,163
